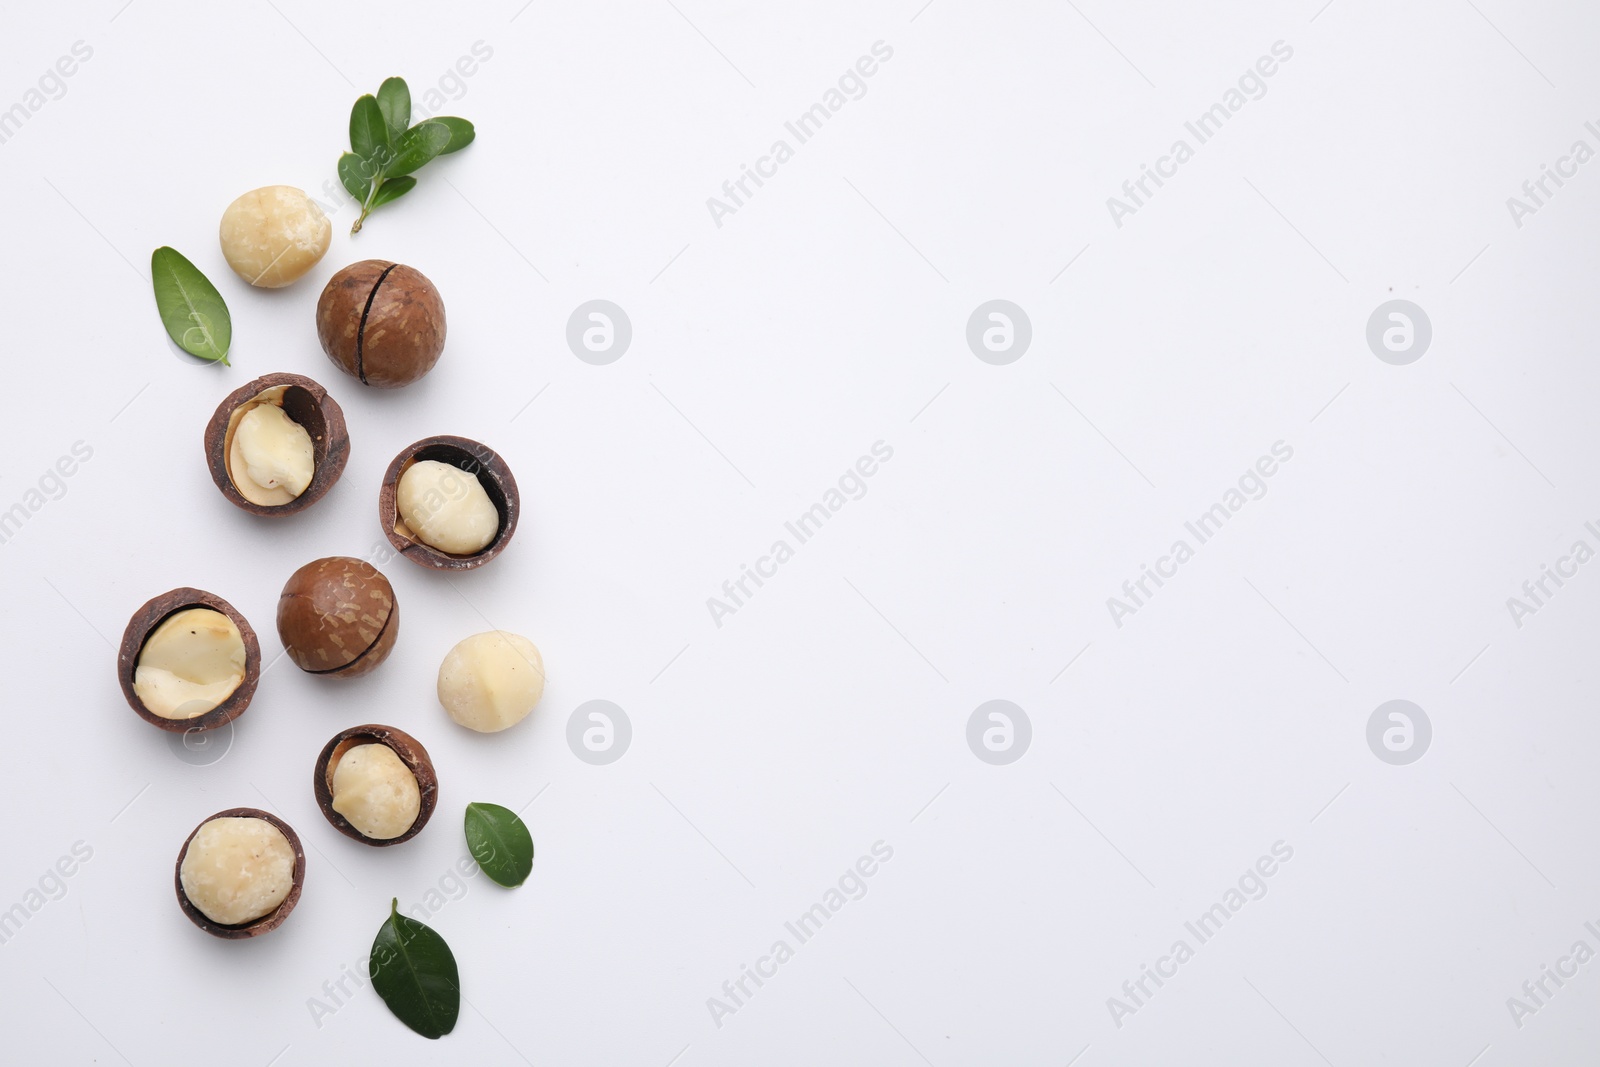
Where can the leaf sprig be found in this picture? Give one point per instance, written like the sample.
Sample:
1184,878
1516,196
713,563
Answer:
385,148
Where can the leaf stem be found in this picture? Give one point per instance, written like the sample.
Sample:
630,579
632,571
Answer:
366,205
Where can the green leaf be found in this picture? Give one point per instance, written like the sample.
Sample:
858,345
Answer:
369,133
394,100
461,133
500,842
417,147
393,189
355,175
194,313
414,972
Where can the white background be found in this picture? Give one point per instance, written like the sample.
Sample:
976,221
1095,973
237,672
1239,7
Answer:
830,712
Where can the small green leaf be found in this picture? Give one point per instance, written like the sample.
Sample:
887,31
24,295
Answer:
417,147
393,189
414,971
355,174
369,133
500,842
194,313
461,133
394,100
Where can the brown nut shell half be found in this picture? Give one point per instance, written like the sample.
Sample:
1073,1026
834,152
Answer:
338,616
479,460
411,753
381,322
268,922
308,404
153,614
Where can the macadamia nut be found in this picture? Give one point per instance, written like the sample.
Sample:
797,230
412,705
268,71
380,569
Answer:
190,664
375,791
491,681
446,507
273,235
271,460
237,870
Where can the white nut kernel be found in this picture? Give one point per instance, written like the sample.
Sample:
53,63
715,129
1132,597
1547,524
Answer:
446,507
491,681
375,791
273,235
237,869
270,461
191,663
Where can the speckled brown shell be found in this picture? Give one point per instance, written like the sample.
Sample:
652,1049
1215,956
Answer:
270,921
411,753
338,616
479,460
381,322
153,614
308,404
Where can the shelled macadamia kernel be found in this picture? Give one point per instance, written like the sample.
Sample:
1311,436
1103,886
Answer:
375,791
446,508
491,681
273,235
237,870
190,664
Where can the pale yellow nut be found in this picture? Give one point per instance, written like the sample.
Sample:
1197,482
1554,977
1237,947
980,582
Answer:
191,663
273,235
271,460
447,508
376,792
238,869
491,681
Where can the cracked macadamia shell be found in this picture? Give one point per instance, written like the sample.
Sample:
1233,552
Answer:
491,681
448,506
239,873
375,784
381,322
338,616
271,236
277,444
188,661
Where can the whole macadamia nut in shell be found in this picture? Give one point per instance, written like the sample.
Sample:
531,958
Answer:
338,616
382,323
271,236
